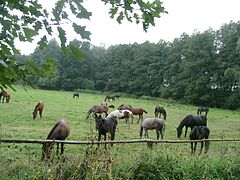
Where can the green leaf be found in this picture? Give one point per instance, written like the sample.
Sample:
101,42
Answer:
43,42
81,30
62,36
76,52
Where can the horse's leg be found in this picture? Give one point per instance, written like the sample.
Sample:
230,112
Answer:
57,147
157,131
40,113
112,137
201,148
186,131
138,119
192,148
62,148
195,146
161,132
106,114
206,146
145,133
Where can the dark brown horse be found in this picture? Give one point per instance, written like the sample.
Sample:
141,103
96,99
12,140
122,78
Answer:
5,95
191,121
124,106
102,108
105,126
60,131
38,108
108,97
199,132
160,111
139,112
76,95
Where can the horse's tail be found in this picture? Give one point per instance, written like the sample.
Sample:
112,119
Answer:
111,106
141,131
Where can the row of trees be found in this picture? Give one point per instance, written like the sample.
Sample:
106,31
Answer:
201,69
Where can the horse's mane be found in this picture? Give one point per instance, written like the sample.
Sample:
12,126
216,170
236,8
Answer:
182,123
52,130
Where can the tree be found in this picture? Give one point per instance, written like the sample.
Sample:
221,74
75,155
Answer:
24,19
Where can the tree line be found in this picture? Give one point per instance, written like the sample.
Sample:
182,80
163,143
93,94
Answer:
200,69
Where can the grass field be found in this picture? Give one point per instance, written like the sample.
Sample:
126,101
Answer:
22,161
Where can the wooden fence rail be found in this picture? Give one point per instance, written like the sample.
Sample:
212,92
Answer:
42,141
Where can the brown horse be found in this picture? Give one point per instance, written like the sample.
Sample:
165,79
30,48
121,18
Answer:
5,95
102,108
124,106
138,111
59,132
39,107
108,97
160,111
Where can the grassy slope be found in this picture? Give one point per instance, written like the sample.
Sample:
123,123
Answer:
16,122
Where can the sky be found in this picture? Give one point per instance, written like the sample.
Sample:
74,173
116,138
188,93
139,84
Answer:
184,16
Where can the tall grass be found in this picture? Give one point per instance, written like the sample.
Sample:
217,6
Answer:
130,161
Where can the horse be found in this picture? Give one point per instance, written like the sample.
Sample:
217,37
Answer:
60,131
102,108
5,95
105,126
108,97
39,107
150,124
202,109
76,95
199,132
138,111
122,114
124,106
160,110
191,121
117,96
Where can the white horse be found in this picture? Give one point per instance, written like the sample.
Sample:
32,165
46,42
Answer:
122,114
150,124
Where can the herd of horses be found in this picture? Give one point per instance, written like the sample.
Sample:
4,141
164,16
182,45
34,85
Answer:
108,124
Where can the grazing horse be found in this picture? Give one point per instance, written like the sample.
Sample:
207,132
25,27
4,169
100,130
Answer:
59,132
108,97
150,124
160,110
5,95
202,109
122,114
191,121
76,95
124,106
138,111
199,132
117,96
105,126
102,108
39,107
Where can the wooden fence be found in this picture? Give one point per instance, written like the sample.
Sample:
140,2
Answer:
41,141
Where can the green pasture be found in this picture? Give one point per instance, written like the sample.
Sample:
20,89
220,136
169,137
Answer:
22,161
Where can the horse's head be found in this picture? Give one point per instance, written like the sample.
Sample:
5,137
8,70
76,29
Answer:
99,121
34,114
46,150
179,132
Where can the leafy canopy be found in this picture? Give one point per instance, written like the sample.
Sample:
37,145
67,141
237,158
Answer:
24,19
